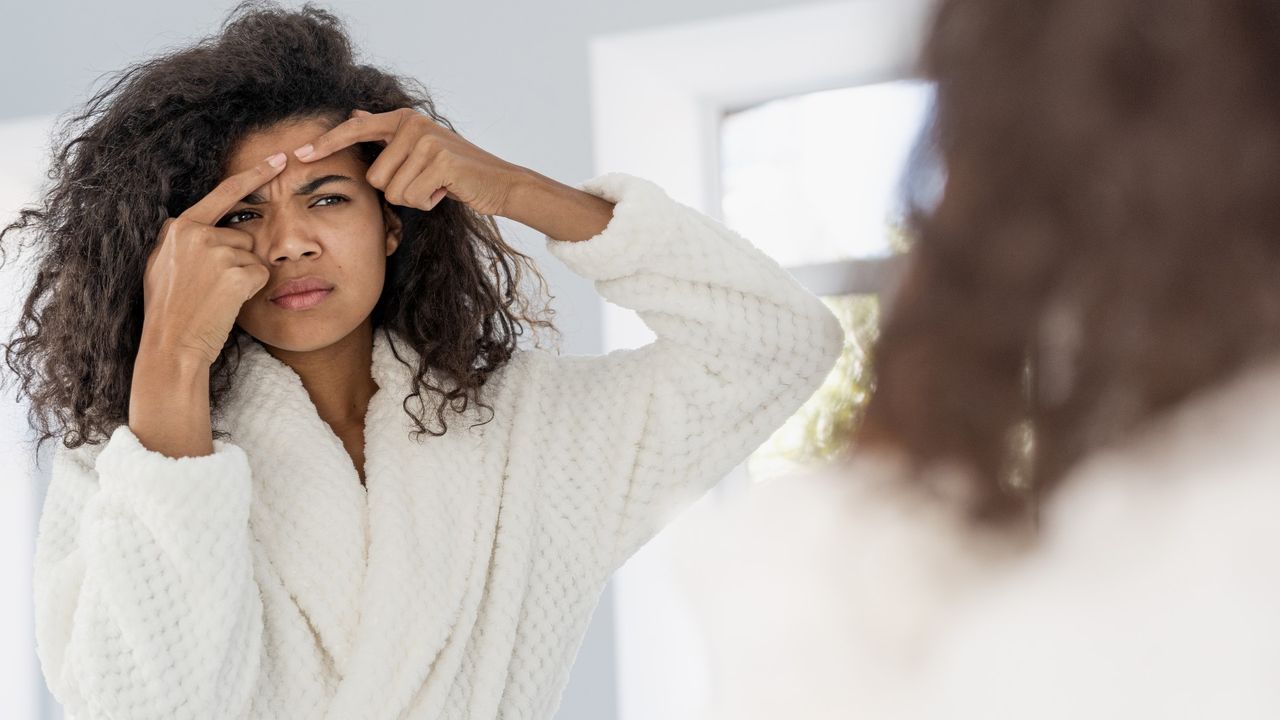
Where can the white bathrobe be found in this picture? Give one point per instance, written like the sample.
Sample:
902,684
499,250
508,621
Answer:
1153,591
264,581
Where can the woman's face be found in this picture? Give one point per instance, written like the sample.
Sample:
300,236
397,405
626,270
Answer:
337,231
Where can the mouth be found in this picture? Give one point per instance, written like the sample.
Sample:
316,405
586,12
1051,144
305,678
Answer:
301,301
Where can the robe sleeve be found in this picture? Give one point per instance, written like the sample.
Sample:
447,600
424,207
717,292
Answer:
145,601
640,434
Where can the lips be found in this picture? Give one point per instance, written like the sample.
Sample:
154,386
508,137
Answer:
300,285
301,301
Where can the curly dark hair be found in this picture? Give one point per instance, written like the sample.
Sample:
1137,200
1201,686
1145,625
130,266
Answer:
157,140
1107,242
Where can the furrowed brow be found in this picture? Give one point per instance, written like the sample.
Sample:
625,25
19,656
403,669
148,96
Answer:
306,188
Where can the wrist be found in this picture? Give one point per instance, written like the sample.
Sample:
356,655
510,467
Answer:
157,355
524,187
559,211
169,408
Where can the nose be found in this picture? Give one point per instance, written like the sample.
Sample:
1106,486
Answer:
289,236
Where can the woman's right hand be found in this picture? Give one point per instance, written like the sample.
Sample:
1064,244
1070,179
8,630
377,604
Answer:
199,275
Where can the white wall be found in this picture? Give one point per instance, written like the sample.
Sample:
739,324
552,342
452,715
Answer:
21,487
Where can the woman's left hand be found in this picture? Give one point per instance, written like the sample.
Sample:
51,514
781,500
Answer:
423,161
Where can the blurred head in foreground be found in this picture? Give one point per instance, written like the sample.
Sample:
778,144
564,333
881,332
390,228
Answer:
1107,243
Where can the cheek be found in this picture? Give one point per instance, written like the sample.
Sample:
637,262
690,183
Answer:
356,248
366,265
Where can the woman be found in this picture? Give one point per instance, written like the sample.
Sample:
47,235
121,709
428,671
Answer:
1062,501
266,532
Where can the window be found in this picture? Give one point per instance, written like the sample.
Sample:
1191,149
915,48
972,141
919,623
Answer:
817,182
815,178
724,126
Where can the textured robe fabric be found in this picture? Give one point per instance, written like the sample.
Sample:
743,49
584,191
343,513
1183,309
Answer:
264,581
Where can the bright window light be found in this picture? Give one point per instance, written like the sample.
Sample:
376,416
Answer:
816,178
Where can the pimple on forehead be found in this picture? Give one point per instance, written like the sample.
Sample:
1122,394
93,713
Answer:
346,161
282,137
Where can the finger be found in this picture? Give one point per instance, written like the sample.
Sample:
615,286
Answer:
437,196
412,168
213,206
362,128
389,161
249,280
240,257
232,237
426,189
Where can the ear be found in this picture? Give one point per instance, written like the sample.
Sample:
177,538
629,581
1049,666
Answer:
391,221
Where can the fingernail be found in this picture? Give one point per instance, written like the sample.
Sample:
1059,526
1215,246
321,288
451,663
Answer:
277,160
303,152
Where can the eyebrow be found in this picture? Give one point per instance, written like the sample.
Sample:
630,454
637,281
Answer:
306,188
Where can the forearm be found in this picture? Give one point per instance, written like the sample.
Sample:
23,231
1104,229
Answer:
169,404
555,209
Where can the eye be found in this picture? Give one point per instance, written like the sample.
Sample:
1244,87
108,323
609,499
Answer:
228,220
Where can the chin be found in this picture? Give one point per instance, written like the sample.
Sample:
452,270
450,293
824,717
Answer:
304,335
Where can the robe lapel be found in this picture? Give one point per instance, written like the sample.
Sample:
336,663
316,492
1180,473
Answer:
396,607
309,507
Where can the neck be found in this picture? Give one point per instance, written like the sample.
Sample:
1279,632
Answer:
338,377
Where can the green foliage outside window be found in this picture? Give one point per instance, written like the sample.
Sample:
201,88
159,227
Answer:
899,238
823,425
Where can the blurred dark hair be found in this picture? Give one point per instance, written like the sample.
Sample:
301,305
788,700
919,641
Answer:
1107,243
157,140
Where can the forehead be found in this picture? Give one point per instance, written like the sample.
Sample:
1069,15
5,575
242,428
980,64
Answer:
285,137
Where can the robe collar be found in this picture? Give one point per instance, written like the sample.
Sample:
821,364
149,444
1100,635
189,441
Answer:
389,576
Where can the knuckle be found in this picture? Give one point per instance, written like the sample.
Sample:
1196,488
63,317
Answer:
224,253
230,278
178,228
249,274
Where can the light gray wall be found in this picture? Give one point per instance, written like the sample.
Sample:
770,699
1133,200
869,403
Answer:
511,76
